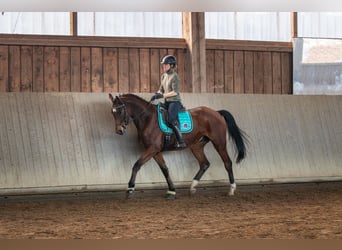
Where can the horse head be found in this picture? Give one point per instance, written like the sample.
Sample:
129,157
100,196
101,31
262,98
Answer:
120,114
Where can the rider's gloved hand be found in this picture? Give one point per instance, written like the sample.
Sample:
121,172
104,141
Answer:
156,96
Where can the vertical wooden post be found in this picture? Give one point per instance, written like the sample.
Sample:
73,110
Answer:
194,34
294,24
73,24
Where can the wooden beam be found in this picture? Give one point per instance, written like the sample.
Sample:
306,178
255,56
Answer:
90,41
194,35
294,24
73,24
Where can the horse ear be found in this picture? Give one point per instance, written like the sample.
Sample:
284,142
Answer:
111,97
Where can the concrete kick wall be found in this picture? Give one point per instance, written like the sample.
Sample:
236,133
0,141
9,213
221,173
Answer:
52,142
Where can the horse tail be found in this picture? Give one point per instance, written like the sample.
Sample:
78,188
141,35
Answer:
238,136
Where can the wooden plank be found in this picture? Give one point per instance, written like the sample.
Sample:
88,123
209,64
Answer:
286,73
294,24
75,61
26,69
64,69
85,70
38,69
210,69
14,68
110,70
123,70
228,72
89,41
155,67
249,72
145,69
96,70
239,65
267,72
244,45
276,73
162,53
258,73
51,69
219,72
194,34
4,68
181,70
73,24
134,76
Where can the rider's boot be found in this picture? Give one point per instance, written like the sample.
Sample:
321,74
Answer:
180,142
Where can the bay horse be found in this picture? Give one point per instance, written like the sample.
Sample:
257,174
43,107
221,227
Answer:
208,125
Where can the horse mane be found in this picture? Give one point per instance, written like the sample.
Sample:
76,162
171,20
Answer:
133,96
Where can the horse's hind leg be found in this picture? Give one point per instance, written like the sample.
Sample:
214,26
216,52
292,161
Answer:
171,193
222,150
198,152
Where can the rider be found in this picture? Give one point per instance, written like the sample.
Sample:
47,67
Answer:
169,89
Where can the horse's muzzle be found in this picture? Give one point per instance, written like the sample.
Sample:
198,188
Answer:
120,130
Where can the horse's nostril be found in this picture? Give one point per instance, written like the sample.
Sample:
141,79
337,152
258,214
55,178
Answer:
119,132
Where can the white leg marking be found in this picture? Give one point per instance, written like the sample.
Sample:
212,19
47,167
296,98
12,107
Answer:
232,188
193,186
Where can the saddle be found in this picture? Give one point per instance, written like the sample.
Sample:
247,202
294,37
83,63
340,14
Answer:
184,118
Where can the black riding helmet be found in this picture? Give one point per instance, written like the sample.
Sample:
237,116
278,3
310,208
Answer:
169,59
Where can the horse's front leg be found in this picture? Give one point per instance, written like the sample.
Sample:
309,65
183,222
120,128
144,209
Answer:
171,193
146,156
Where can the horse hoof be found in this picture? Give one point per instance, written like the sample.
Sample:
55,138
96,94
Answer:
129,194
171,195
193,191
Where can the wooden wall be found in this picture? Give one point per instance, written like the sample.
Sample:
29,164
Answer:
249,67
104,64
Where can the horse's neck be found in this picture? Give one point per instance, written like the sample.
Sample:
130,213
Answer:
139,112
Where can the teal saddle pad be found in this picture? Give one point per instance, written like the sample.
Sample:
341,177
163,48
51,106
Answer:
184,118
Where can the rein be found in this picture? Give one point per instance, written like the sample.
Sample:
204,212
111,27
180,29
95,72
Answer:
125,114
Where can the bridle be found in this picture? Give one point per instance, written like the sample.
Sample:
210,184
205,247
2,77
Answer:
122,112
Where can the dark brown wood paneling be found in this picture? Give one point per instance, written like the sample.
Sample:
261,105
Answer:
267,72
107,64
123,70
210,70
155,70
258,73
249,72
76,74
286,72
26,68
145,70
96,70
38,69
14,69
110,69
219,72
64,69
276,72
51,69
3,68
229,72
239,70
180,68
85,68
134,74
